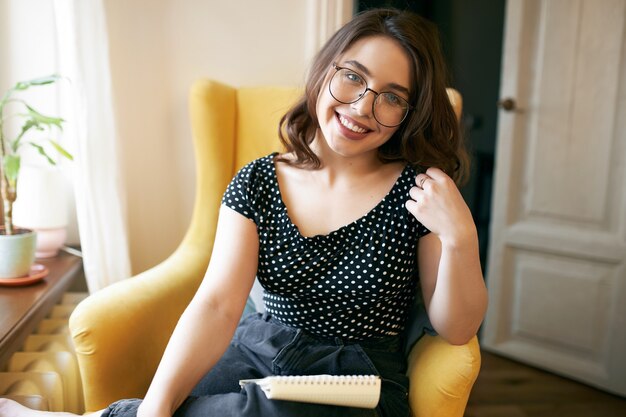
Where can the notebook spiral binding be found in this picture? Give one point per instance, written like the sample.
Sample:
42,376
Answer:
326,379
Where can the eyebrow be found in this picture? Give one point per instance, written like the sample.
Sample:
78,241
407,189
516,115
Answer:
365,71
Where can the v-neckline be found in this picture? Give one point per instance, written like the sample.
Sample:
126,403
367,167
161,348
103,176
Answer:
340,229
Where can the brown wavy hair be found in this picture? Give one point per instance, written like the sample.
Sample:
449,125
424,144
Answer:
429,136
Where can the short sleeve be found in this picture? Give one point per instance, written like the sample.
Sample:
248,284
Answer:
239,194
414,225
421,230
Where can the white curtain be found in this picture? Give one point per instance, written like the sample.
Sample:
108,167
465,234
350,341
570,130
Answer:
91,133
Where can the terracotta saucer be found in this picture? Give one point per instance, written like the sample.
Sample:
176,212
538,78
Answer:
36,274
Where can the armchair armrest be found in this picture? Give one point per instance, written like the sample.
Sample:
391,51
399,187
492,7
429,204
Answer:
442,376
120,333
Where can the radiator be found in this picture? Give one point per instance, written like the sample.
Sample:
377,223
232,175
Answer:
44,374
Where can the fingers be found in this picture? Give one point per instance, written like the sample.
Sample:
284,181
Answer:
421,180
414,192
428,182
412,207
417,198
432,175
436,173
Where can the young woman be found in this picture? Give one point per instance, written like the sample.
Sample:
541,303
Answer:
340,230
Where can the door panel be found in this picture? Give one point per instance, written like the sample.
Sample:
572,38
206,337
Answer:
557,276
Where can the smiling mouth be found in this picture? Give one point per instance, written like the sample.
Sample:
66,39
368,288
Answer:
350,126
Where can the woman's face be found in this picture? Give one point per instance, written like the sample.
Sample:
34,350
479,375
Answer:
351,129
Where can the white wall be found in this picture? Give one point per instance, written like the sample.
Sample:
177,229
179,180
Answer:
157,49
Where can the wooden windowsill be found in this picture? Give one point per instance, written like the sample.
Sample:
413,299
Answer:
22,308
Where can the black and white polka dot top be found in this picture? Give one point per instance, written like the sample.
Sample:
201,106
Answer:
356,282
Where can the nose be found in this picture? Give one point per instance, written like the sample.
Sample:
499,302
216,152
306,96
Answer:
365,104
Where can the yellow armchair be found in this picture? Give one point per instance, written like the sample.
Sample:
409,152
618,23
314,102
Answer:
121,332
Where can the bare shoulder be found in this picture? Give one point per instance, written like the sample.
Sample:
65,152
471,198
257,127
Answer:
393,169
286,169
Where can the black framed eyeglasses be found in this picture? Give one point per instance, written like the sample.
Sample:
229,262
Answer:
348,86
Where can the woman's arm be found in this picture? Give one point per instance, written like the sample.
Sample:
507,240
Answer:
206,327
449,264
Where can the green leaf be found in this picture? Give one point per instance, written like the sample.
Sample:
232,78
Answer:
45,120
61,150
23,85
11,165
42,152
30,123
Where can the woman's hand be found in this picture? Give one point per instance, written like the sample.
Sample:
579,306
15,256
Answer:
437,203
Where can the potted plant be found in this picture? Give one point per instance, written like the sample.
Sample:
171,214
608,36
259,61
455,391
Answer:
17,246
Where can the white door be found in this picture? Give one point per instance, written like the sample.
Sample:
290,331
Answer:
556,271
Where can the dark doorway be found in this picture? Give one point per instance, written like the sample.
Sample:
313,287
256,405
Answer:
471,34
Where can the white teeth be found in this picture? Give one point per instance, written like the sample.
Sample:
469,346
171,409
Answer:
350,126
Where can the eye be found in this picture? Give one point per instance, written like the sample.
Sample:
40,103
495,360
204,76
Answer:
352,77
393,100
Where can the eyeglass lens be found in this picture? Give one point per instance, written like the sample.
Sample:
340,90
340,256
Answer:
346,86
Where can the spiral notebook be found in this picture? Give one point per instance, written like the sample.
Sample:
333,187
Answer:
346,390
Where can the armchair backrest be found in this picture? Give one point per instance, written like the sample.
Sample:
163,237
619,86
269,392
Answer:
258,113
230,127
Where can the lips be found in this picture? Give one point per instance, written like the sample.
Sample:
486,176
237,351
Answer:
350,127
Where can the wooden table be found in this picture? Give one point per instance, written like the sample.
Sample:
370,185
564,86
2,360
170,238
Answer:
22,308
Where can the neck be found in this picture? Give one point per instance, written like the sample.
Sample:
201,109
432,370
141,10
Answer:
335,166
